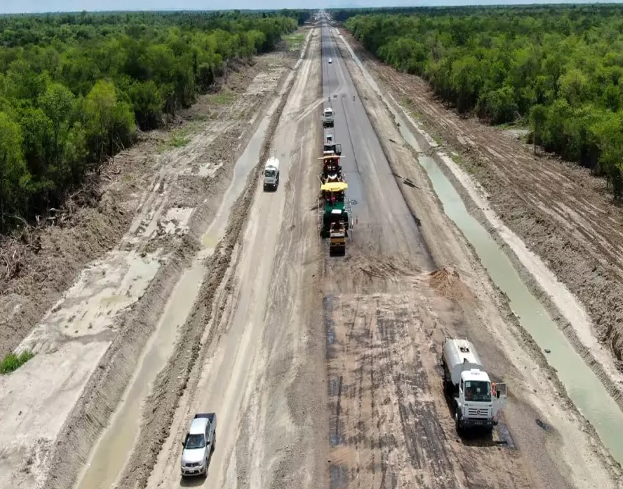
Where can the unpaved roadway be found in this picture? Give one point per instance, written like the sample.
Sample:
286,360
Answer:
324,372
387,311
263,368
562,213
165,190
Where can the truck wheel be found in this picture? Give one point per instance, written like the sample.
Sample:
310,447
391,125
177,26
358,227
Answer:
457,422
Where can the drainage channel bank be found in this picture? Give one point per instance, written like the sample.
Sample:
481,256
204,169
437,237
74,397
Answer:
113,449
583,386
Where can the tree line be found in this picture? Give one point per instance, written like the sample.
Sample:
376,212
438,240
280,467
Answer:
74,87
557,68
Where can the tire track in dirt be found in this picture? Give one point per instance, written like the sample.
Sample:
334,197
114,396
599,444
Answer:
558,209
412,420
173,381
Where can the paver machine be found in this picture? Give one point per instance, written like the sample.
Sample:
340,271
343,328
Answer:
336,214
331,169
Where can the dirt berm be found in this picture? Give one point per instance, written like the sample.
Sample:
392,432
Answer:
171,382
107,385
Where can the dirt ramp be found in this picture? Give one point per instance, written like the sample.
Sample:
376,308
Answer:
447,282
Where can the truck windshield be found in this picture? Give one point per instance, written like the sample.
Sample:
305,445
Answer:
195,441
270,173
477,391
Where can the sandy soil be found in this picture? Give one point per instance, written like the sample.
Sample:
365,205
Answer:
324,372
56,405
565,217
385,331
261,367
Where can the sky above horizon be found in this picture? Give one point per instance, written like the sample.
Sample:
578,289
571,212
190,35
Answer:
32,6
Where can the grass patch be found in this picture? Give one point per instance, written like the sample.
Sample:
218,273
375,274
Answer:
293,41
12,362
222,98
177,141
179,137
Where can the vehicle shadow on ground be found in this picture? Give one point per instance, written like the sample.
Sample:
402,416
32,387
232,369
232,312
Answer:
193,481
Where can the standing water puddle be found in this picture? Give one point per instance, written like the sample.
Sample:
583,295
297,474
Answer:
107,460
582,385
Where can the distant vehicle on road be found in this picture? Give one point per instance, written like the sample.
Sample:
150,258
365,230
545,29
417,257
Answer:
330,61
327,117
199,445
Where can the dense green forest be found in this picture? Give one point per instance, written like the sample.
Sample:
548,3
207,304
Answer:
560,69
73,88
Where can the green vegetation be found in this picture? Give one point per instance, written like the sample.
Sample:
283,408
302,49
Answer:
74,86
558,69
12,361
294,41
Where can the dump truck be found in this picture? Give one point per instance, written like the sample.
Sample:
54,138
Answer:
330,147
476,400
327,117
271,173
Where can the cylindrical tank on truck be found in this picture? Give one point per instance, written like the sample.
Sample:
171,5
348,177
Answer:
476,400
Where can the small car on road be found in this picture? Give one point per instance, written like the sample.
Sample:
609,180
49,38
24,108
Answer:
199,444
330,61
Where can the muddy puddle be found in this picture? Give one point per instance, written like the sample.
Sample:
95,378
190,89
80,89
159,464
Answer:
107,460
582,385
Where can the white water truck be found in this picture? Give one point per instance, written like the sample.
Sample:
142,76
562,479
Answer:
476,400
271,173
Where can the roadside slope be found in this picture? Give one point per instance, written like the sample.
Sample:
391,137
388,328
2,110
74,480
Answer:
562,213
106,318
261,365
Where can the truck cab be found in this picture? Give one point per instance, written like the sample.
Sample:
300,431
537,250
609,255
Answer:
271,173
477,400
198,445
327,117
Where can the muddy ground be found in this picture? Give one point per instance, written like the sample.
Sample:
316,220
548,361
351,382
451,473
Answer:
563,214
386,320
50,258
170,187
261,367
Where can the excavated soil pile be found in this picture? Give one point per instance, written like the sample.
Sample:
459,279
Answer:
448,283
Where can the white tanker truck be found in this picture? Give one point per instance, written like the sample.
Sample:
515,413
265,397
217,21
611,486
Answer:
477,401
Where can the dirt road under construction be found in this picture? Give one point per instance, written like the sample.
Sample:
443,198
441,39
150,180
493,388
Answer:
324,372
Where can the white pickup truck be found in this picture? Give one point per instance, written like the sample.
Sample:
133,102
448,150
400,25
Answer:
199,444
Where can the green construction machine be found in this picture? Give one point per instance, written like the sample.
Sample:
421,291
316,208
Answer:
336,216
